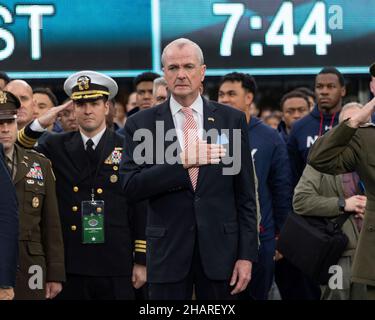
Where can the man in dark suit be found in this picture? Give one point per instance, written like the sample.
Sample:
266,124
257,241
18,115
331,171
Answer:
8,232
201,227
98,243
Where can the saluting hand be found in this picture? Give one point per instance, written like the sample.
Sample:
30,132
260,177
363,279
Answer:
363,115
50,116
241,276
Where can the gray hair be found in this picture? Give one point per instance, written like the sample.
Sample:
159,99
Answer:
180,43
157,83
348,106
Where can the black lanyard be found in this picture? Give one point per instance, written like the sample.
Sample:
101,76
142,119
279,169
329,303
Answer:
101,159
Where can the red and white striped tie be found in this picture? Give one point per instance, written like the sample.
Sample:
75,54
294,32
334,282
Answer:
190,136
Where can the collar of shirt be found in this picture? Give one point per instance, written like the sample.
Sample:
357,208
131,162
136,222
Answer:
197,106
94,139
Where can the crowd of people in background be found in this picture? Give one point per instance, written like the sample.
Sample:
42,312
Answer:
52,187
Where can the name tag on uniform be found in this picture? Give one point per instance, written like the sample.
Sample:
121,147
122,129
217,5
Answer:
92,221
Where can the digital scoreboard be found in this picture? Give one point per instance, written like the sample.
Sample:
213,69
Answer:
123,38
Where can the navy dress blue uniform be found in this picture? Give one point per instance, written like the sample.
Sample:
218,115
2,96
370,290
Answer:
8,227
207,229
99,270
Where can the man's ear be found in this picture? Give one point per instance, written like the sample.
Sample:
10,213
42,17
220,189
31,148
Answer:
106,105
249,98
343,91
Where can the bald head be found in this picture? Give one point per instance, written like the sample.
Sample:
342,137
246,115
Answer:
181,43
22,90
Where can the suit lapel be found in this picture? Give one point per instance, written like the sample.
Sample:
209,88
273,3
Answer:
76,153
106,146
164,117
210,121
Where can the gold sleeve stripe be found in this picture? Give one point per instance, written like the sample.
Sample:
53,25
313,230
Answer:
140,246
25,137
21,134
25,141
140,241
140,250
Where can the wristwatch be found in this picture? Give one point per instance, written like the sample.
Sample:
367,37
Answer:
341,203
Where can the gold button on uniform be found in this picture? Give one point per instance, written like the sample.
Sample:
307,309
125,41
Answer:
115,168
75,208
99,190
74,228
35,202
75,189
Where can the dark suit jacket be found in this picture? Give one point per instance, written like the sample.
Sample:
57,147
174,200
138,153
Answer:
221,212
73,185
8,227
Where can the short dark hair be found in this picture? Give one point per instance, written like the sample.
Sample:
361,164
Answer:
247,81
333,70
294,94
306,91
5,77
145,76
48,92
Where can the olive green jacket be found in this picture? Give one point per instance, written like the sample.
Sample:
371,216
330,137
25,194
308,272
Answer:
40,235
344,149
317,194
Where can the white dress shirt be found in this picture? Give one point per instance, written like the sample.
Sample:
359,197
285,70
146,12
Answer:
95,139
179,117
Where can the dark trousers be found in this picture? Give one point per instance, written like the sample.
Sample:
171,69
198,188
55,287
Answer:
205,289
293,284
262,273
78,287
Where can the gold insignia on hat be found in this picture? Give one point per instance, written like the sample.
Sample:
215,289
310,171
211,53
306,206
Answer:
3,97
83,82
35,202
113,178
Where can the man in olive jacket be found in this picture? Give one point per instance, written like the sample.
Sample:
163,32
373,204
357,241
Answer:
350,147
325,195
41,252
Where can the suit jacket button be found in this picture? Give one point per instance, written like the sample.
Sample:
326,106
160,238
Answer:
99,190
75,208
371,228
73,228
75,189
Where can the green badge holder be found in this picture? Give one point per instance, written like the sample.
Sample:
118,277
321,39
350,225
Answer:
92,222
